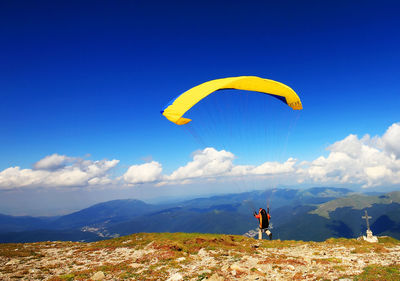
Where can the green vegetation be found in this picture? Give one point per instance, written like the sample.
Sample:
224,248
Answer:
361,246
155,256
388,240
355,201
202,276
67,277
378,272
189,242
13,250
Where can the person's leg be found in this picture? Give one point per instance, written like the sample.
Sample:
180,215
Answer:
269,233
259,233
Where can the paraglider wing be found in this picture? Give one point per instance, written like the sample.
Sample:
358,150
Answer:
177,107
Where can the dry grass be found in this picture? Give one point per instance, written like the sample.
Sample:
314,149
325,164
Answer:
155,256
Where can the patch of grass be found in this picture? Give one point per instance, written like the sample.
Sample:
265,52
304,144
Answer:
277,267
389,241
83,275
362,247
179,242
281,244
339,267
202,276
386,241
344,241
15,250
67,277
335,260
328,260
379,272
361,250
282,259
129,275
368,248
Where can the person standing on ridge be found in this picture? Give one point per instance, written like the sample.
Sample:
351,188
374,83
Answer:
263,218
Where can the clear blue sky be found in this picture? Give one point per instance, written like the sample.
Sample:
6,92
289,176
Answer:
90,77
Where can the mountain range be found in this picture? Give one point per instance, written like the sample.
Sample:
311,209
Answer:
313,214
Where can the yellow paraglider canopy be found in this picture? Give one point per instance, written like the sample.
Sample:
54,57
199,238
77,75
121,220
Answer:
176,108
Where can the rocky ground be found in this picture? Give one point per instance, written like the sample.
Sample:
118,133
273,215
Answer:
183,256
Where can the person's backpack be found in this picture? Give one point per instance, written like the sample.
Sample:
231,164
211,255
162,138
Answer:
264,221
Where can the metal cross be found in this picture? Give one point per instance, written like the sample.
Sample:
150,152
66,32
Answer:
366,217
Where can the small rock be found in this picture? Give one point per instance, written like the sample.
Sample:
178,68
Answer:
291,267
202,253
264,267
99,275
136,265
180,259
215,277
12,262
236,267
175,277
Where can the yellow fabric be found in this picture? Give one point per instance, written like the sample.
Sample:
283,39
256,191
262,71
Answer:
188,99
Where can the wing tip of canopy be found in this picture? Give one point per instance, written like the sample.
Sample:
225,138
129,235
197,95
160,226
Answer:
297,105
175,119
183,121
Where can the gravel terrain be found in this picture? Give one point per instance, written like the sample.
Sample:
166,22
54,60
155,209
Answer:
201,257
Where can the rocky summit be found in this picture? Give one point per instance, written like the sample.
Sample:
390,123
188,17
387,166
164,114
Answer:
193,256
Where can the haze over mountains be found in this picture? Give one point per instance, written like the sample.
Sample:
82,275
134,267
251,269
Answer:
312,214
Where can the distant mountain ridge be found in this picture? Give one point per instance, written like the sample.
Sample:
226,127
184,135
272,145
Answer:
110,212
311,214
356,201
342,217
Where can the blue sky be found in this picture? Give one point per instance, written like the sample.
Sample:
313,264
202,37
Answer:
86,80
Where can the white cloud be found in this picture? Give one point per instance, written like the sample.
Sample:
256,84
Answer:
148,172
52,162
206,163
273,168
367,162
211,165
53,171
391,140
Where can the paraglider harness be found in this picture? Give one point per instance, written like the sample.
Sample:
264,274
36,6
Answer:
264,217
